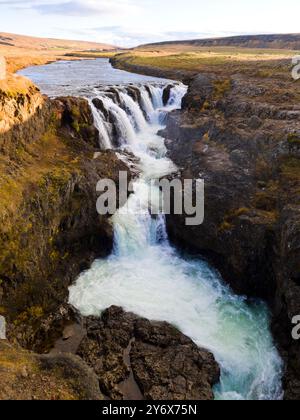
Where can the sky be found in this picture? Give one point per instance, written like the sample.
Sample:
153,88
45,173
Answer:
128,23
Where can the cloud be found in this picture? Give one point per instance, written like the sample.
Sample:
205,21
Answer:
80,8
131,37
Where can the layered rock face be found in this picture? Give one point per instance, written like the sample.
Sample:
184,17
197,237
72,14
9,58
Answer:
242,137
23,117
50,230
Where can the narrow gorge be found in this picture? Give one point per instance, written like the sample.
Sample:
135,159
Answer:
64,265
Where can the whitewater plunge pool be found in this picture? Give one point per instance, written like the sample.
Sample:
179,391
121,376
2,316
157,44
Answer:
145,274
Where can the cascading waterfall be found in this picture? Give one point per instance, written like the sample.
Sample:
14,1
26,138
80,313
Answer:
146,275
157,99
135,111
121,120
99,123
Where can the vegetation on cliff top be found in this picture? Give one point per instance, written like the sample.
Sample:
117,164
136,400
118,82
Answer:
221,60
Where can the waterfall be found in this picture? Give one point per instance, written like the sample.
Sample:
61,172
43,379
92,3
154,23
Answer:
156,93
177,91
135,111
121,121
146,275
100,125
147,103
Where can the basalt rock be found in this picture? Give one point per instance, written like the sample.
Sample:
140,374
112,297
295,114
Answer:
166,94
239,138
138,359
50,229
99,105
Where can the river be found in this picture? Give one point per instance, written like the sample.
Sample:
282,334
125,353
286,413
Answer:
145,274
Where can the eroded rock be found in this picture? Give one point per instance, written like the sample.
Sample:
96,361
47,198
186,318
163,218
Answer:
238,137
151,360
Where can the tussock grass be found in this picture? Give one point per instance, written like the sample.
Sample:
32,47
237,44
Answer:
15,85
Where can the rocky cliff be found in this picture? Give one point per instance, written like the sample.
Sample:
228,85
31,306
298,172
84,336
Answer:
50,230
242,136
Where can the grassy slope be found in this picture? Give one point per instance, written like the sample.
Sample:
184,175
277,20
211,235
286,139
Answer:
273,41
219,60
23,51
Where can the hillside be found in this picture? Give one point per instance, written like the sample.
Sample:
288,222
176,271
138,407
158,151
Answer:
42,44
274,41
21,51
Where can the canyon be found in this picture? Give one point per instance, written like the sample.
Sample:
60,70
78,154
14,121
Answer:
240,135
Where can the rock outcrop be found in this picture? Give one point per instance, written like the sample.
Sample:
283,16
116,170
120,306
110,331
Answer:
50,229
242,136
139,359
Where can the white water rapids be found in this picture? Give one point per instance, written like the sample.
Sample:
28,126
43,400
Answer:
149,277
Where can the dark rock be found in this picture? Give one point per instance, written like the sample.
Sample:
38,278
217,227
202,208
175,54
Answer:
77,115
251,195
55,231
150,360
169,366
200,89
99,105
166,94
254,122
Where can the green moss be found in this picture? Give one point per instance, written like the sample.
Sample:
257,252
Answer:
290,168
225,226
31,315
75,126
265,200
221,88
239,212
206,106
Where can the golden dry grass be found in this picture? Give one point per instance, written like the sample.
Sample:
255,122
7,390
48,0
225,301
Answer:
23,51
15,85
226,60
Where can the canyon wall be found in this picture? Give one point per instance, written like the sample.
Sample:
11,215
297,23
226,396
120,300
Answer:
243,138
50,230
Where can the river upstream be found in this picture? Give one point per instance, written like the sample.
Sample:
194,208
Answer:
145,274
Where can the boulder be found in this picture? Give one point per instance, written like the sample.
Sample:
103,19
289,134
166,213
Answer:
135,358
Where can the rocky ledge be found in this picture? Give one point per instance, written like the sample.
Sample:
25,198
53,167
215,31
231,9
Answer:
242,136
50,230
138,359
131,357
